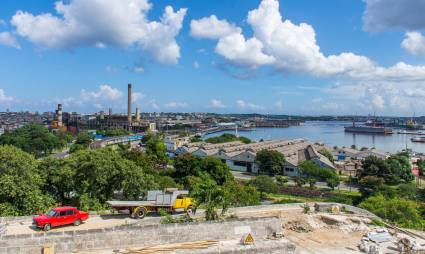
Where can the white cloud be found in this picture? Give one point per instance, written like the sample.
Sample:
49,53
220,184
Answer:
138,69
105,92
196,65
214,103
241,104
2,22
212,28
176,105
7,39
153,104
121,23
289,47
414,43
278,105
383,14
137,96
4,99
378,101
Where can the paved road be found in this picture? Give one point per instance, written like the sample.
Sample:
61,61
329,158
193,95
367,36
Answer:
323,185
96,222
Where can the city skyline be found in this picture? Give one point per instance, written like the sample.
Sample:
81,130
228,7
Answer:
277,57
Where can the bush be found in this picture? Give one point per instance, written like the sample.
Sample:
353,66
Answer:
402,212
264,184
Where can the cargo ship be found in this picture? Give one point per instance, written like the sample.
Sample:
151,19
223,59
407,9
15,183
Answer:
418,139
368,129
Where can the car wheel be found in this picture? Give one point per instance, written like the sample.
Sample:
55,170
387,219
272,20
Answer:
77,222
47,227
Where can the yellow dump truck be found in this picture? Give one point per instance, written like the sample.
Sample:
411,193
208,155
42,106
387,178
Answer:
171,200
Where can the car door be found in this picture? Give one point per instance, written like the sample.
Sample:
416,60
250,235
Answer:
61,219
70,216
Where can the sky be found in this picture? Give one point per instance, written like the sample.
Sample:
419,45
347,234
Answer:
303,57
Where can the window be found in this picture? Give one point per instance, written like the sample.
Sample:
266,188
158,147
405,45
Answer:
70,212
62,213
289,169
239,163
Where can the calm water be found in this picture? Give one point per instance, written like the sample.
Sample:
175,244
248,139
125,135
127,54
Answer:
331,134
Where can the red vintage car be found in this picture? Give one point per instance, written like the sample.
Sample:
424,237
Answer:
60,216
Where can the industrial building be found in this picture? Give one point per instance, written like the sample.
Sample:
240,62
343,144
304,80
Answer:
241,157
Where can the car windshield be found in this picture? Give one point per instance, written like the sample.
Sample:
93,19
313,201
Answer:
51,213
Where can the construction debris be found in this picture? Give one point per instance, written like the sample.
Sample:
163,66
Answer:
299,226
166,248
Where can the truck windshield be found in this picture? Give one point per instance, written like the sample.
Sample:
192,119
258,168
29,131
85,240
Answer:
51,213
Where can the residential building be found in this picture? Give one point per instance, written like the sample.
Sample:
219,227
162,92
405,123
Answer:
241,157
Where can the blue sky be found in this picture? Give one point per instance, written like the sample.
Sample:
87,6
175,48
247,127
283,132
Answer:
270,56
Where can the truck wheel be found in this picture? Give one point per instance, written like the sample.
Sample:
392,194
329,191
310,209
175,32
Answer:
189,210
77,222
140,213
47,227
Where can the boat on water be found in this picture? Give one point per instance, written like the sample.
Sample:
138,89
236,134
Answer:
368,129
411,132
418,139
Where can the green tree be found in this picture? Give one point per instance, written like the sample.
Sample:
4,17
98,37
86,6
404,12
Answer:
186,165
270,161
264,184
281,180
101,172
155,147
21,183
59,178
373,166
332,182
402,212
236,194
401,168
84,138
226,137
217,169
208,194
34,139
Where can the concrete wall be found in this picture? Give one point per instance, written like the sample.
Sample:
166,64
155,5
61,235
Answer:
120,237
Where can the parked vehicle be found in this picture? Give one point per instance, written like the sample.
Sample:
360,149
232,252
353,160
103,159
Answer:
60,216
171,200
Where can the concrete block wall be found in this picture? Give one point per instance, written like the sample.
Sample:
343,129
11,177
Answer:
123,236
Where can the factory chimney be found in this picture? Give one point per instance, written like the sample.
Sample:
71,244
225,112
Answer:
59,115
138,114
129,107
110,112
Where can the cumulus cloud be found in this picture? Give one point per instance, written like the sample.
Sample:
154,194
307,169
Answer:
4,99
241,104
290,47
105,92
214,103
120,23
414,43
176,105
7,39
212,28
384,14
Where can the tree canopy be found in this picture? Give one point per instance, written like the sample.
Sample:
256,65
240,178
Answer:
34,139
226,137
270,161
393,170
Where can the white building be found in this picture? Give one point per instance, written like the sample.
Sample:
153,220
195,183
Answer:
241,157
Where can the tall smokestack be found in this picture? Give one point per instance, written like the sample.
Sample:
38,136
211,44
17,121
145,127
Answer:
110,111
129,107
137,114
59,112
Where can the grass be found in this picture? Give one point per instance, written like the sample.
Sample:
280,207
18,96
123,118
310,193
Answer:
345,197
